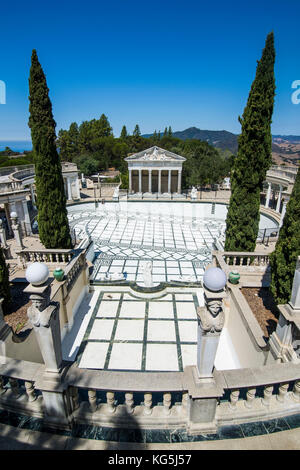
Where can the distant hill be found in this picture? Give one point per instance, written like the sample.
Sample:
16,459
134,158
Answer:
224,140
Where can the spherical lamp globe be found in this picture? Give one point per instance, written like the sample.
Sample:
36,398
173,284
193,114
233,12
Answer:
214,279
13,215
37,273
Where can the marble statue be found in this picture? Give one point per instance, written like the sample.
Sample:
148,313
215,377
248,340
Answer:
211,316
194,193
116,193
147,274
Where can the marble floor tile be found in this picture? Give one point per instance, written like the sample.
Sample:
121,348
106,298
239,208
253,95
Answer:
108,308
188,331
130,330
161,310
101,329
133,309
162,357
161,330
188,354
94,355
186,310
126,356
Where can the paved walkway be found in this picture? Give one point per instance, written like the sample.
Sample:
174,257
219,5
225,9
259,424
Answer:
12,438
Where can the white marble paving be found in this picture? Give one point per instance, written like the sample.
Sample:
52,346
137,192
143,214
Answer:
162,357
126,356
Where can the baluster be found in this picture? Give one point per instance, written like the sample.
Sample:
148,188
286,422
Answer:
110,398
148,403
167,403
14,386
296,391
283,388
268,390
234,396
92,394
74,397
184,402
30,391
248,261
129,402
250,397
234,261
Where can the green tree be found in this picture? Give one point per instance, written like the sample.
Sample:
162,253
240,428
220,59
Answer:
253,157
170,133
4,280
136,132
53,223
284,257
124,133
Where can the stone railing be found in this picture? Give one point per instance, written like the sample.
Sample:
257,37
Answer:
135,400
266,392
241,260
74,268
250,265
50,257
128,399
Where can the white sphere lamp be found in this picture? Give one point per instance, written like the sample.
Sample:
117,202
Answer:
214,279
37,273
13,215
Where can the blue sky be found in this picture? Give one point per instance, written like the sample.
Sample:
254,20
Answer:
178,63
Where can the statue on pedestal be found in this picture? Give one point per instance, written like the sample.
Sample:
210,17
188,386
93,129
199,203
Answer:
147,274
194,193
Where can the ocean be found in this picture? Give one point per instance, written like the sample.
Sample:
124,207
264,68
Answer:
16,145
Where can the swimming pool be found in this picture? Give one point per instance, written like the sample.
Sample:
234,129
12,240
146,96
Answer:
178,237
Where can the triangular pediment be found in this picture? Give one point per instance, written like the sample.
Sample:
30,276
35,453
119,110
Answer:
155,154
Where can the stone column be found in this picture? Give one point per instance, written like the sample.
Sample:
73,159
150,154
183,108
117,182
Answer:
169,180
77,189
69,189
26,218
150,181
16,230
44,316
130,180
279,199
268,194
159,181
211,320
140,181
179,182
283,213
295,296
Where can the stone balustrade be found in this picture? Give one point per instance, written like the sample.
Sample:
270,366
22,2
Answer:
52,257
227,259
152,400
75,267
260,393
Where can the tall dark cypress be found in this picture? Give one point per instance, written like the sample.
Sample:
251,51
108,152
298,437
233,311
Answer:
53,223
4,281
284,257
254,156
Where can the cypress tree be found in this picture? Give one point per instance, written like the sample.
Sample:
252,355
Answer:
123,134
254,156
284,257
4,280
53,223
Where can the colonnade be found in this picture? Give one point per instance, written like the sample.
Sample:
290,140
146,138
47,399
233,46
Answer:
151,180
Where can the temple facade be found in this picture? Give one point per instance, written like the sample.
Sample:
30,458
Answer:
155,170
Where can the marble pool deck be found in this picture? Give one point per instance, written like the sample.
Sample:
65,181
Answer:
115,330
